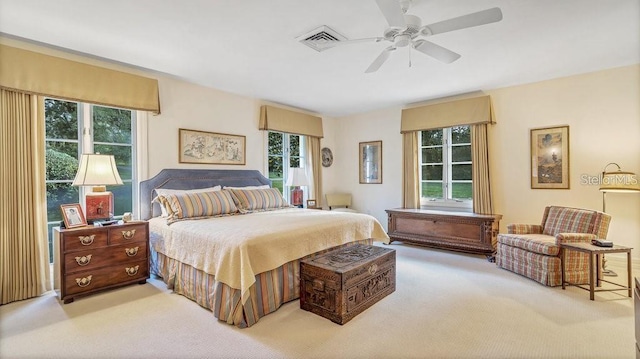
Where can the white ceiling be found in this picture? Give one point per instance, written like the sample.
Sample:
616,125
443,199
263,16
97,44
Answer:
249,47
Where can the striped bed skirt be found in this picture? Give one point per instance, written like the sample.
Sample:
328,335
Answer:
266,295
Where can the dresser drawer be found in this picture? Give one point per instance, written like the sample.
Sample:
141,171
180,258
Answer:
102,278
128,234
85,239
100,257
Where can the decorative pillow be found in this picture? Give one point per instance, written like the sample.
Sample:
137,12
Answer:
197,205
254,200
161,192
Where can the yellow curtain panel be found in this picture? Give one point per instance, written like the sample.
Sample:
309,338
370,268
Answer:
35,73
24,252
281,120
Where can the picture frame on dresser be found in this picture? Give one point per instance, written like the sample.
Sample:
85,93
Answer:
311,204
72,215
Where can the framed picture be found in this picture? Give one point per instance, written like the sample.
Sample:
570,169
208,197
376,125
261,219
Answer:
311,204
72,215
211,148
370,162
550,157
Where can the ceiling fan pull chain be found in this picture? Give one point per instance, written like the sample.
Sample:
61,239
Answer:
410,56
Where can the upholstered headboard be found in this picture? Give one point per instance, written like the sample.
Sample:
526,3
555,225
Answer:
192,179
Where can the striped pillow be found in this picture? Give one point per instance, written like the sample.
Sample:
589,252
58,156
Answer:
197,205
255,200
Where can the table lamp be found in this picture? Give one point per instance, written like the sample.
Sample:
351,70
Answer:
297,177
617,181
98,171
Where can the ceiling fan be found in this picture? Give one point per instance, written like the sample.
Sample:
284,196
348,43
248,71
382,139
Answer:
405,30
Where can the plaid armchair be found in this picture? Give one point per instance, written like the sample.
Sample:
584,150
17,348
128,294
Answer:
533,250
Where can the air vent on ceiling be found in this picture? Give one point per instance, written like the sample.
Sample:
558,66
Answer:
321,38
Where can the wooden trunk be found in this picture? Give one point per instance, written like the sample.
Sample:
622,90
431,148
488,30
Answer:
341,284
458,231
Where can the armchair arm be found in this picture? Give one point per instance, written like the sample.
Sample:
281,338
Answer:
524,229
574,237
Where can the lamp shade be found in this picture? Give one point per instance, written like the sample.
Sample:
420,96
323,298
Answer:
297,177
97,170
619,181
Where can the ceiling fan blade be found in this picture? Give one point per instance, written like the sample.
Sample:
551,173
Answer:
330,44
436,51
462,22
392,11
375,65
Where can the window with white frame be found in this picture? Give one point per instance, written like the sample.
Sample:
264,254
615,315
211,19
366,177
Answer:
445,167
284,151
74,128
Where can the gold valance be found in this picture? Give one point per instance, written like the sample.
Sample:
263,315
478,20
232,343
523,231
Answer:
281,120
447,113
40,74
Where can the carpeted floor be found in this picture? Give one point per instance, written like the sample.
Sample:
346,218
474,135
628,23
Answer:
446,305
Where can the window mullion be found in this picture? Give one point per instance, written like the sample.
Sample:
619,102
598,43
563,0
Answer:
85,130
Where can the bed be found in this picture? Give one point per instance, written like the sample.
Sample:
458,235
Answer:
241,263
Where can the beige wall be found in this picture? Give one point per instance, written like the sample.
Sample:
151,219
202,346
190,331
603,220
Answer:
190,106
602,110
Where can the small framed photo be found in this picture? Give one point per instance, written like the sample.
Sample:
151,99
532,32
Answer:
72,215
550,158
311,204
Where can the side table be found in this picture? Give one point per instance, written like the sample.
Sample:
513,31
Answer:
595,254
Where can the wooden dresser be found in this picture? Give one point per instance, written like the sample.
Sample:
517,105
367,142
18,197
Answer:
458,231
90,259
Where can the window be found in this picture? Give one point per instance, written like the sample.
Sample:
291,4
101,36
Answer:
445,164
74,128
284,151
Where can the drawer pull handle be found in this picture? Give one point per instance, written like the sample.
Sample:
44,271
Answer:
83,282
84,260
131,271
128,234
131,252
86,240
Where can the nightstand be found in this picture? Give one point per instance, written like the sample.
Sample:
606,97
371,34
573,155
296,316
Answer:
90,259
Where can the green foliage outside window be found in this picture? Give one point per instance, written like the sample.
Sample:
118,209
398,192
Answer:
112,131
433,168
280,147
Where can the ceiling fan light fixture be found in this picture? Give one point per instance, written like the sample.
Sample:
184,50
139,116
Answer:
402,40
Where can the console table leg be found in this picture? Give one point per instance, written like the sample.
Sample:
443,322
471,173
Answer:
591,277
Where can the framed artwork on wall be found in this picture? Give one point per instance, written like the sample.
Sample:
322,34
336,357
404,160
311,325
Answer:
211,148
550,158
370,154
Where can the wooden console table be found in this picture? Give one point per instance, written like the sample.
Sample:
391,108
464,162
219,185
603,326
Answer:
458,231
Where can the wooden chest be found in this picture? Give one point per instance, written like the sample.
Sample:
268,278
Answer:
458,231
90,259
341,284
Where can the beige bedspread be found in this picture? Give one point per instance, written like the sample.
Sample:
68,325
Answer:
236,248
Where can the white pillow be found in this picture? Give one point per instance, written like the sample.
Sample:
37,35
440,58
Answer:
161,192
249,187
